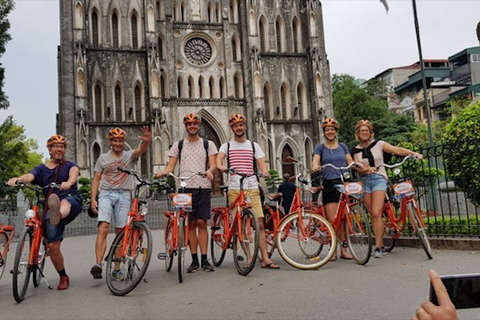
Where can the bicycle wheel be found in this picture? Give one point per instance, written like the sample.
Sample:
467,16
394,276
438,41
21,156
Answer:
38,269
3,258
181,249
21,269
125,273
359,234
245,245
217,238
309,248
168,245
417,220
390,233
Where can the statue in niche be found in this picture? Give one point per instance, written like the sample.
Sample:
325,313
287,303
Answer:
316,58
195,9
260,120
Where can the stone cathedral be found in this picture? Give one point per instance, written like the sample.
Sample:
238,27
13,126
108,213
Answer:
149,62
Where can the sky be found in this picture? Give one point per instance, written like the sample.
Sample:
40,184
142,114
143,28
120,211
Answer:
361,40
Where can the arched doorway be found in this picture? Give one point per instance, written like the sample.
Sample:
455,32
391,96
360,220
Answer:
207,132
287,166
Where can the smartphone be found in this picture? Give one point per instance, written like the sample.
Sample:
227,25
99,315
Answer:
463,289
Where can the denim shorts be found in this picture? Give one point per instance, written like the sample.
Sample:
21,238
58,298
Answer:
114,204
373,182
55,233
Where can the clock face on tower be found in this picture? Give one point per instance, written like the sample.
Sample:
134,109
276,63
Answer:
198,51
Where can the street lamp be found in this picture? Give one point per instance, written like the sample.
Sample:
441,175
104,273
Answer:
422,72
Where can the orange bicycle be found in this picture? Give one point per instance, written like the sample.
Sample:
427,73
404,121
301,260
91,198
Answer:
31,249
357,226
131,250
176,226
6,235
394,223
304,239
240,233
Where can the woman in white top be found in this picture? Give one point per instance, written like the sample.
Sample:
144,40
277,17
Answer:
369,152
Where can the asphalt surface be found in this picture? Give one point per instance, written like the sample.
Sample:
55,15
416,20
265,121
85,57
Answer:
388,288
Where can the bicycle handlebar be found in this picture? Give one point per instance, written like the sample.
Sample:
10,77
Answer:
398,164
143,181
352,164
244,175
181,179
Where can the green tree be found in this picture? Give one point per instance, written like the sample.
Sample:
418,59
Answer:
18,153
6,6
352,102
461,138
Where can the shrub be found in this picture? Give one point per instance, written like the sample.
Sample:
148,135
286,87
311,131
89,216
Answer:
463,161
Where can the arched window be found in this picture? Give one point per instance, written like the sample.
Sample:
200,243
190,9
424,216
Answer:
133,21
211,86
308,153
182,12
98,102
268,102
191,88
115,37
163,86
209,13
160,48
179,87
296,30
284,101
78,16
118,103
138,103
201,88
287,166
233,11
263,31
218,11
222,89
95,33
238,83
313,26
280,34
96,153
234,49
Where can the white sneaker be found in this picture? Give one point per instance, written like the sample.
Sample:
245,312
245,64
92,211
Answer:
377,253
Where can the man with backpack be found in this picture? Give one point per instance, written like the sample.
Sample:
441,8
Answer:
244,156
195,154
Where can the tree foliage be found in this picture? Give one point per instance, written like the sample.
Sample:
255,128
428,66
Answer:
18,153
6,6
461,138
352,102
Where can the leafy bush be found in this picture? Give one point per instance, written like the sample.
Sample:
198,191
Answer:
453,226
85,189
463,162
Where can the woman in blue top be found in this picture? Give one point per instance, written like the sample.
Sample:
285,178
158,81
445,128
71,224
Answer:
331,151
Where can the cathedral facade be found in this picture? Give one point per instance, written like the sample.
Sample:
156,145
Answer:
150,62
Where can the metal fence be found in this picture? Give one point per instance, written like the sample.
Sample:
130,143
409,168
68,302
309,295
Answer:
447,199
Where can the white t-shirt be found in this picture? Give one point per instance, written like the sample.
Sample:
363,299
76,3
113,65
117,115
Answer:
242,160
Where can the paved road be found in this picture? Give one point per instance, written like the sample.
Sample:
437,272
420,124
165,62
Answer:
387,288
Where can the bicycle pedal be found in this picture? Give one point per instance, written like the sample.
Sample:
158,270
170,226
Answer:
162,256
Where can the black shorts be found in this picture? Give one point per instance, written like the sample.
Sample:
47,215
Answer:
330,193
201,207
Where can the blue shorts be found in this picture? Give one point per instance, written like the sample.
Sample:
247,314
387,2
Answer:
201,203
55,233
373,182
116,204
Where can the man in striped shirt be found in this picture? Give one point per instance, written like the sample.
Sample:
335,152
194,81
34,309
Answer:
244,156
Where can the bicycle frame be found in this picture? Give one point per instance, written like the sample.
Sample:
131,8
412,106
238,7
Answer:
399,223
240,204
